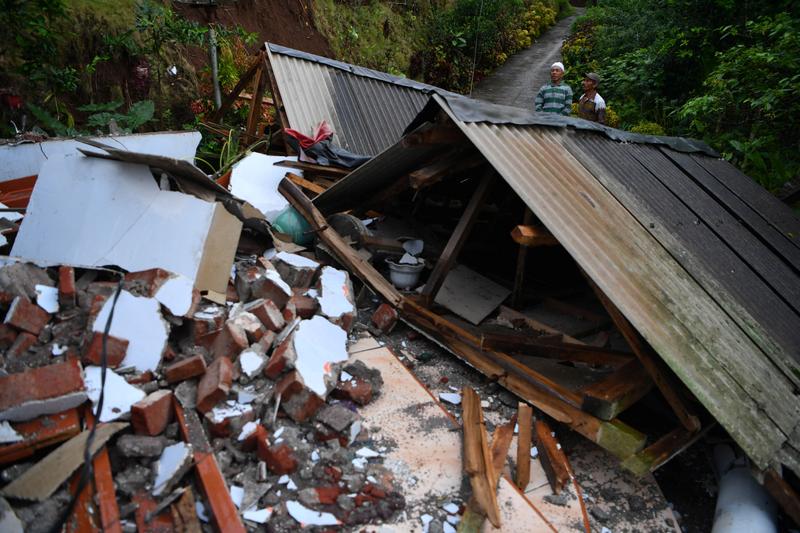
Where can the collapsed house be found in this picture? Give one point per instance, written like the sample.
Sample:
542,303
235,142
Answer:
579,267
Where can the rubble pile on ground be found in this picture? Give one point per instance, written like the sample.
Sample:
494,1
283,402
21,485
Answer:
267,375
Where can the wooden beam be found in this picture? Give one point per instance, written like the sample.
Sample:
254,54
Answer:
459,236
276,97
618,438
264,100
531,236
255,109
611,395
231,97
784,494
513,315
551,456
184,514
661,451
313,168
525,419
517,294
651,362
444,166
447,135
477,458
382,243
305,184
356,264
530,344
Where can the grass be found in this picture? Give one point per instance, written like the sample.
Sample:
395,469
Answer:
119,14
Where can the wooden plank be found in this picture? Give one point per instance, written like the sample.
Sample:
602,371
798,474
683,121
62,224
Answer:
651,362
554,462
305,184
184,514
313,168
231,97
530,344
661,451
264,99
41,433
531,236
105,493
513,315
784,494
477,458
459,236
145,523
382,243
525,420
255,109
469,294
442,167
615,436
517,294
356,264
611,395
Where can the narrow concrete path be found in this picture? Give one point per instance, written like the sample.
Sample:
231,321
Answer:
516,82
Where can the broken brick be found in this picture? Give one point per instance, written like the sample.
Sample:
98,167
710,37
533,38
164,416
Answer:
21,345
44,390
305,306
147,282
151,415
188,368
258,439
385,318
225,421
267,341
302,405
7,336
297,271
282,358
26,316
328,495
356,390
251,325
280,459
268,313
67,293
215,385
116,349
138,379
230,341
289,312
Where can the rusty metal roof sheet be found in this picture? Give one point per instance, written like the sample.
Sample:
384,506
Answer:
368,110
685,258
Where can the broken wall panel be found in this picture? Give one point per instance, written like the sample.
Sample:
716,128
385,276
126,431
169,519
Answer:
92,212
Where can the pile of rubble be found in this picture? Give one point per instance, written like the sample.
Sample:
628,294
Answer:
265,379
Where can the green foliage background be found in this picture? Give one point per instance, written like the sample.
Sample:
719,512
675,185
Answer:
724,71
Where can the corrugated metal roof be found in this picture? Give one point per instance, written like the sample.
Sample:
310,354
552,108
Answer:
670,250
367,110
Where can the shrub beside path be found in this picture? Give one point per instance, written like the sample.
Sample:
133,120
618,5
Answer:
516,82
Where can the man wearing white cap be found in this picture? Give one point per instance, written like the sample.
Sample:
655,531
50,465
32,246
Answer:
554,97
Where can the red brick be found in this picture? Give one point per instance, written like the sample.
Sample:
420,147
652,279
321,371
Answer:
302,405
253,283
289,312
305,306
151,415
26,316
333,472
280,459
328,495
21,344
231,425
116,349
138,379
7,336
295,276
215,385
356,390
257,440
251,325
147,281
67,293
230,341
267,341
188,368
169,354
288,386
268,313
42,384
385,317
230,293
282,358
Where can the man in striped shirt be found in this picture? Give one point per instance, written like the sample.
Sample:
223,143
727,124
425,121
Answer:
554,97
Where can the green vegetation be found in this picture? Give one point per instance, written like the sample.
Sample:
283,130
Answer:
721,71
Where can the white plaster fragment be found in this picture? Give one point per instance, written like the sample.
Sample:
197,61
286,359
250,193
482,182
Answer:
200,511
284,479
248,429
534,452
605,530
344,376
448,528
11,216
334,300
8,434
58,349
516,429
47,298
269,253
360,463
237,495
255,178
119,394
366,452
453,519
251,362
279,432
450,397
315,456
291,485
451,508
312,293
9,522
139,321
274,277
176,294
175,460
246,396
219,414
309,517
319,344
259,516
355,430
297,260
426,520
408,259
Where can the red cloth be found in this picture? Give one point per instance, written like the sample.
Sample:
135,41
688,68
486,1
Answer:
321,132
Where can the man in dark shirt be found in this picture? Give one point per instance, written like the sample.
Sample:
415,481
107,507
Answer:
591,106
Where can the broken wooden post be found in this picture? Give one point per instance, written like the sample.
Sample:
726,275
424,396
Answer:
616,392
532,236
230,98
522,257
551,456
477,458
662,450
525,419
459,236
255,107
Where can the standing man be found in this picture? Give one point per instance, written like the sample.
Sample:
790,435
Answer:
555,97
591,106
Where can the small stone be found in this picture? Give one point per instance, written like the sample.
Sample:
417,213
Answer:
140,446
